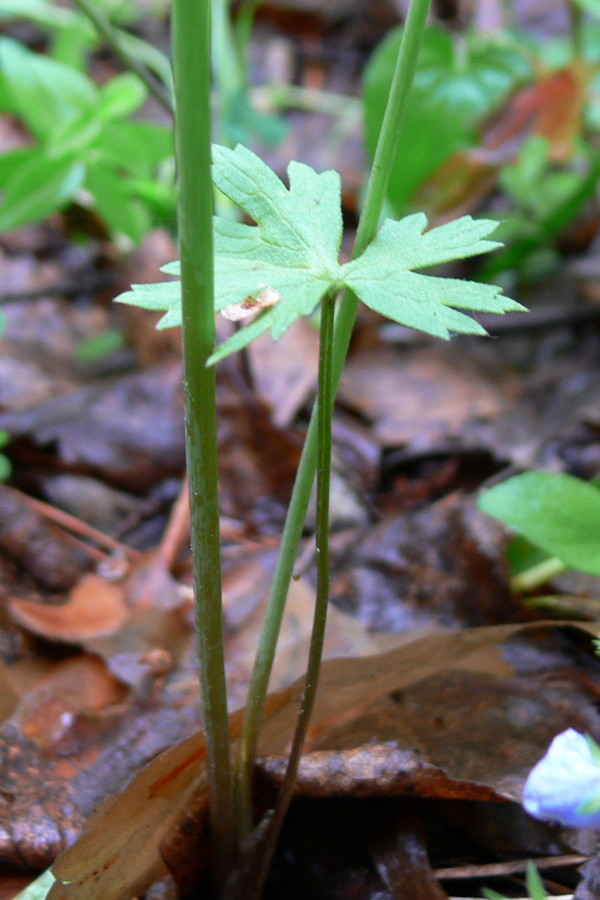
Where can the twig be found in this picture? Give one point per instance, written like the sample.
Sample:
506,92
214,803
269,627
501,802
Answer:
112,38
508,868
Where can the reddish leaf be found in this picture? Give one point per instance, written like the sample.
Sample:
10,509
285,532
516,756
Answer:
95,608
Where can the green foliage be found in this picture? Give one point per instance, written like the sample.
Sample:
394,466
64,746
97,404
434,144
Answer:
5,464
535,887
457,85
460,82
38,889
292,253
84,140
558,513
544,198
100,345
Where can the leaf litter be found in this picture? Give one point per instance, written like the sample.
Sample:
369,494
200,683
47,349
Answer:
432,791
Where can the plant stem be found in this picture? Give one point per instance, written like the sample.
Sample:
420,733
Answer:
387,147
534,577
191,53
112,38
267,842
227,70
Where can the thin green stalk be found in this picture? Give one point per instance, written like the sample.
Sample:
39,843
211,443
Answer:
387,147
534,577
291,96
246,14
227,70
112,38
191,53
261,852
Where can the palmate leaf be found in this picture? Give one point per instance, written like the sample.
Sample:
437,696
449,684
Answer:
293,251
384,279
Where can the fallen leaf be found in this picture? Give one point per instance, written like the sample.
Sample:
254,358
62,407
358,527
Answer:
119,853
47,712
285,371
95,608
421,400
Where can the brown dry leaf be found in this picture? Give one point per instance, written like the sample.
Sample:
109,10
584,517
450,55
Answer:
285,371
111,427
426,397
441,566
95,608
82,684
552,108
344,636
119,853
9,692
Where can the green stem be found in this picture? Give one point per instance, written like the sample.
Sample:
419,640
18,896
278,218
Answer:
387,148
261,853
111,36
191,53
536,576
286,96
578,27
228,73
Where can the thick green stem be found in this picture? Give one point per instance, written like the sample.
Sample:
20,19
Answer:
111,36
387,148
191,53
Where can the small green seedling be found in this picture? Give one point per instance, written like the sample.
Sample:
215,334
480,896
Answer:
558,514
535,887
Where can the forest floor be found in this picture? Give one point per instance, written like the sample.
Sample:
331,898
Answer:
411,785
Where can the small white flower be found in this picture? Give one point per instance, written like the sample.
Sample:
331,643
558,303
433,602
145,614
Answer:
565,785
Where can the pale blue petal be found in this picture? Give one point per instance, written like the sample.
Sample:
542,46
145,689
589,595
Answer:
566,778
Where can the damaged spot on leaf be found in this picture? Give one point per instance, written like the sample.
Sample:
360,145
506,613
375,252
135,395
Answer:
252,304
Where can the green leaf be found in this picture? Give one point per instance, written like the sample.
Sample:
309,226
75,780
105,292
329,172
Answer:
136,147
99,346
291,258
121,96
535,886
594,749
75,135
293,249
113,200
45,13
11,162
591,6
456,86
40,187
164,295
559,513
46,94
383,278
38,889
